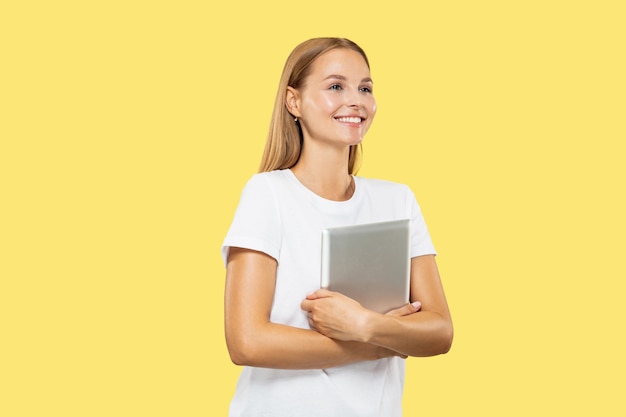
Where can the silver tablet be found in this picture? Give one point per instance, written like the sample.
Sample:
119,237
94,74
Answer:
369,262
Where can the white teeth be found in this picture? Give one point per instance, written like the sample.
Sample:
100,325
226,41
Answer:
349,119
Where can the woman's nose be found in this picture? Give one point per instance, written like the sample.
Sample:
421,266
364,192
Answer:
354,98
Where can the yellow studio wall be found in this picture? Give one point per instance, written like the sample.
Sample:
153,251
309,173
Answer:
127,130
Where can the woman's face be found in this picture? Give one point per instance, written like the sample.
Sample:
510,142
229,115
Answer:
336,104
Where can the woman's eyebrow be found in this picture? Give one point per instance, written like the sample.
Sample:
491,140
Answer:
342,78
336,77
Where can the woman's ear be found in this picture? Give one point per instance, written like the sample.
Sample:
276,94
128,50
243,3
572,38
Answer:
292,101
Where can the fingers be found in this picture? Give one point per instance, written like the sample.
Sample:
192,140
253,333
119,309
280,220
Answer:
307,303
321,293
406,309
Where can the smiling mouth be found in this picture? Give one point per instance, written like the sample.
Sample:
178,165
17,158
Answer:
349,119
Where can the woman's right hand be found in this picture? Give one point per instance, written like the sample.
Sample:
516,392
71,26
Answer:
379,352
406,310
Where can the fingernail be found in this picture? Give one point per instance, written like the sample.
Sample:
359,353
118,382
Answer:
416,305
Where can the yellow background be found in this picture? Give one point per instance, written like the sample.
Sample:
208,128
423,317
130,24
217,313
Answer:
128,129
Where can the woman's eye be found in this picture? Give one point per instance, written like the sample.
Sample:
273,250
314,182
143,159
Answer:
366,90
335,87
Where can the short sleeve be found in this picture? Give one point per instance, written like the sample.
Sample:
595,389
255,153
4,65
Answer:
421,243
257,222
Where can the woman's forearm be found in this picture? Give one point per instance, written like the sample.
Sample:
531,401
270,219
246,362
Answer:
280,346
419,334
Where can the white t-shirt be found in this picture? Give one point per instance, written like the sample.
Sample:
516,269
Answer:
279,216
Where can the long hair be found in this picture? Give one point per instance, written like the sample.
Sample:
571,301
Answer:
284,140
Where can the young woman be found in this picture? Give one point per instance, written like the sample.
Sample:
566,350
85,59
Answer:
308,351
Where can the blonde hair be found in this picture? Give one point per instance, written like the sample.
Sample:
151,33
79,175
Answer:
284,140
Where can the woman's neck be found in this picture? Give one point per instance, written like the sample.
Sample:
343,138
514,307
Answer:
325,175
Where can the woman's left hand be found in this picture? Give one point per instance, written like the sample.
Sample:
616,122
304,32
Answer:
335,315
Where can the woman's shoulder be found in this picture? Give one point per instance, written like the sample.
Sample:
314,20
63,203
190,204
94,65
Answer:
267,180
268,176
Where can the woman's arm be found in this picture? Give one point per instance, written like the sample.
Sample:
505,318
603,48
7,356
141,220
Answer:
253,340
427,332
